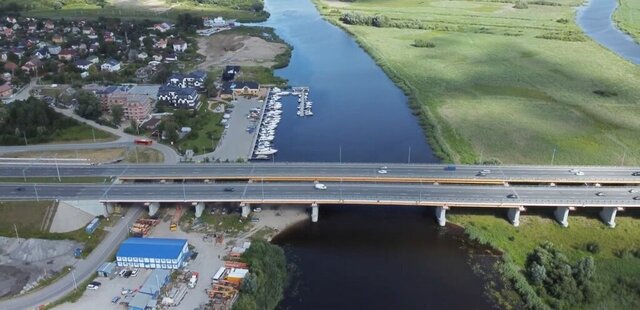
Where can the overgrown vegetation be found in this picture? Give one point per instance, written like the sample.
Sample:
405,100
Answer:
32,121
627,16
424,43
206,129
524,78
589,266
264,286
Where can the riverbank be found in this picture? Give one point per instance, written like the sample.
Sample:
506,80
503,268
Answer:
524,77
617,267
627,17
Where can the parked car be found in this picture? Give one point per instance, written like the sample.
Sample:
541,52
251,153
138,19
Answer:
134,272
94,285
115,300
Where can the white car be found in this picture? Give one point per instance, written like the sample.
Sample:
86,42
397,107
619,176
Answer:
320,186
257,210
382,171
134,272
574,170
92,287
579,173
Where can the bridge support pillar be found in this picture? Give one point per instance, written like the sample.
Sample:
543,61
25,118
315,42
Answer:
199,209
441,215
153,208
514,216
608,215
562,216
108,208
314,213
246,209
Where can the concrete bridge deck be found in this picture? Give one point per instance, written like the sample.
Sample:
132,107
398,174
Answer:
334,172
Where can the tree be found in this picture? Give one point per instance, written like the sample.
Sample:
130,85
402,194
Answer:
117,112
87,105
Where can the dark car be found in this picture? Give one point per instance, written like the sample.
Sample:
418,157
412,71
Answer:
600,194
229,189
95,283
512,196
115,299
636,198
127,274
19,189
635,174
450,168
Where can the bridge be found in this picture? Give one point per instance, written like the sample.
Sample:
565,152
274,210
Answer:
512,188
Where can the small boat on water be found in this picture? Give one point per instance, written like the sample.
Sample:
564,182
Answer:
261,157
308,113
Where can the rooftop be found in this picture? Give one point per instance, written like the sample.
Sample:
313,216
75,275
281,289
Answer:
151,247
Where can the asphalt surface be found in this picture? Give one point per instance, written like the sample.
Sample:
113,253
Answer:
409,194
82,270
592,174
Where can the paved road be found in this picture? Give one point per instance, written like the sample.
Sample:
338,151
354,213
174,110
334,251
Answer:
409,194
82,270
425,172
124,141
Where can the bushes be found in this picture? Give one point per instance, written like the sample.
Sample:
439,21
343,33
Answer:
424,43
521,4
569,36
549,271
264,286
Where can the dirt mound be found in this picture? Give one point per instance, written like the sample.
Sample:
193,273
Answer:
229,49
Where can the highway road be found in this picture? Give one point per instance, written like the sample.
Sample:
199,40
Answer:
82,270
336,193
335,172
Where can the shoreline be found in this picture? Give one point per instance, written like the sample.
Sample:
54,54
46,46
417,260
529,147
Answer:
431,129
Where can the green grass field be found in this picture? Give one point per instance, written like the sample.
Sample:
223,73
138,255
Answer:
205,126
493,87
81,133
613,273
628,17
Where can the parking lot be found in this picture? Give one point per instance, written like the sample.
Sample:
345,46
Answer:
101,298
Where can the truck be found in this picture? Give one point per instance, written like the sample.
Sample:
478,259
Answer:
193,280
92,226
143,141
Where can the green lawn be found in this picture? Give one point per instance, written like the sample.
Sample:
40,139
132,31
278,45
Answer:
493,87
613,272
205,126
628,17
81,133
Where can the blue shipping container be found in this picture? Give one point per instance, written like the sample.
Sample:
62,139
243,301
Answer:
92,226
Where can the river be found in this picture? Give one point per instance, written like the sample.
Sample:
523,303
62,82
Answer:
596,20
360,256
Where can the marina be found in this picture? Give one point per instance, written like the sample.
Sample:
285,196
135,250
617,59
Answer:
271,115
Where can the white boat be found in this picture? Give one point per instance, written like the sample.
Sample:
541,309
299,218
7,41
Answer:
276,90
268,151
261,157
300,113
308,113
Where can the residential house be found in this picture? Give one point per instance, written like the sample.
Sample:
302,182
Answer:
32,27
32,65
179,46
111,65
193,79
6,90
161,44
11,20
4,56
157,57
57,39
93,59
87,30
8,33
42,53
185,98
163,27
229,73
231,89
49,25
67,54
170,57
54,49
10,67
83,64
143,56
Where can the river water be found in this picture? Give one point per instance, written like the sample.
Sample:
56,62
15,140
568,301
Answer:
595,19
359,114
360,256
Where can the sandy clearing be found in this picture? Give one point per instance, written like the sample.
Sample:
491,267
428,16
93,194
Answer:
228,49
